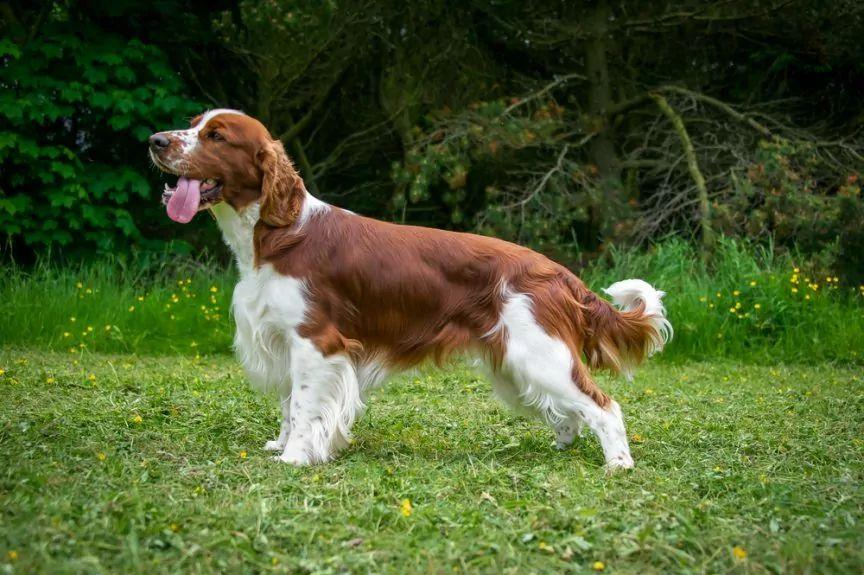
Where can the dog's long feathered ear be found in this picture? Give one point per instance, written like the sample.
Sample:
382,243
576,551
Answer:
282,188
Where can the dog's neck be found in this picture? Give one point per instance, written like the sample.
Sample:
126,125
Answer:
238,229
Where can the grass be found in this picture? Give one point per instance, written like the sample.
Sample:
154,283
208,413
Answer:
749,304
153,464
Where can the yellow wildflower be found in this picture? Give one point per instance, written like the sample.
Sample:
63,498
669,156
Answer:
72,319
636,438
406,508
214,289
67,334
101,456
91,377
107,328
79,285
50,380
546,547
12,555
2,372
598,566
174,527
131,308
753,283
794,290
757,306
137,419
736,293
796,270
739,553
243,454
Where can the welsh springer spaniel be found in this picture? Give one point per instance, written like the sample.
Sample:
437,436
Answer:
329,302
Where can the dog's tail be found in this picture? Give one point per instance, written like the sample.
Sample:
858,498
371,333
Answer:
620,339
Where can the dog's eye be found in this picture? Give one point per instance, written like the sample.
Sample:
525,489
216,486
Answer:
215,136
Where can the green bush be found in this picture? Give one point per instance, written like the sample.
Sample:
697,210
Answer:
77,106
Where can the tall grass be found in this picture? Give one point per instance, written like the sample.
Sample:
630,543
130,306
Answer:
109,306
747,303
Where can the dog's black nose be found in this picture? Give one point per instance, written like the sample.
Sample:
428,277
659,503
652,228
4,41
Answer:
159,141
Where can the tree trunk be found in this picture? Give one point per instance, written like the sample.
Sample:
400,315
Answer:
601,151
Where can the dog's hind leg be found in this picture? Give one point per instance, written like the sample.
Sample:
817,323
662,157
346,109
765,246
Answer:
325,401
508,392
552,381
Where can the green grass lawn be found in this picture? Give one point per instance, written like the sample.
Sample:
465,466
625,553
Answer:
154,464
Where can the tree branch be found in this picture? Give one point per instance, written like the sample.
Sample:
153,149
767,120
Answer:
692,166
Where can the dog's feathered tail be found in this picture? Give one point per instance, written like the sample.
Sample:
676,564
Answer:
620,339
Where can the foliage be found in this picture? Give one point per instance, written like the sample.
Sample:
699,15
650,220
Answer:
154,464
535,121
77,107
745,305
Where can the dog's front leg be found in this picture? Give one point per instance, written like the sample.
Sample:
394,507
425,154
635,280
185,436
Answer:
278,444
325,400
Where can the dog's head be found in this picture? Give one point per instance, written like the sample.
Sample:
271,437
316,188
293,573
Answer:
227,156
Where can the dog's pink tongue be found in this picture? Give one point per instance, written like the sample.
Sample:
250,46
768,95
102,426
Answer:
183,204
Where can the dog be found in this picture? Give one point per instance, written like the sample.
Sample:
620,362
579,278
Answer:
329,303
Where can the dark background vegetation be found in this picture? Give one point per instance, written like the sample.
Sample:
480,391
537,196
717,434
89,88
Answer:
567,126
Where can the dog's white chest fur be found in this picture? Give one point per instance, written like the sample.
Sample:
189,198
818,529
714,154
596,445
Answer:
267,307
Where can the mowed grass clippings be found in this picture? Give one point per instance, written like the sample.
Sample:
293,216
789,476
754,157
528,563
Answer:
154,464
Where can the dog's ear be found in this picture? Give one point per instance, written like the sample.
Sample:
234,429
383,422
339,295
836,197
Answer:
282,188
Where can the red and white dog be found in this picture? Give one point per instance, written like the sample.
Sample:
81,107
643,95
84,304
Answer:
329,302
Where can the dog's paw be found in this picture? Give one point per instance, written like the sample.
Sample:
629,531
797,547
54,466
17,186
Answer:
274,445
294,455
619,463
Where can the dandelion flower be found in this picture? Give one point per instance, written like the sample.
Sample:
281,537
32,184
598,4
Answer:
79,285
137,419
796,270
757,306
2,372
406,509
243,454
91,377
67,334
598,566
736,293
214,289
50,380
131,308
739,553
174,527
794,290
753,283
636,438
12,555
101,456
